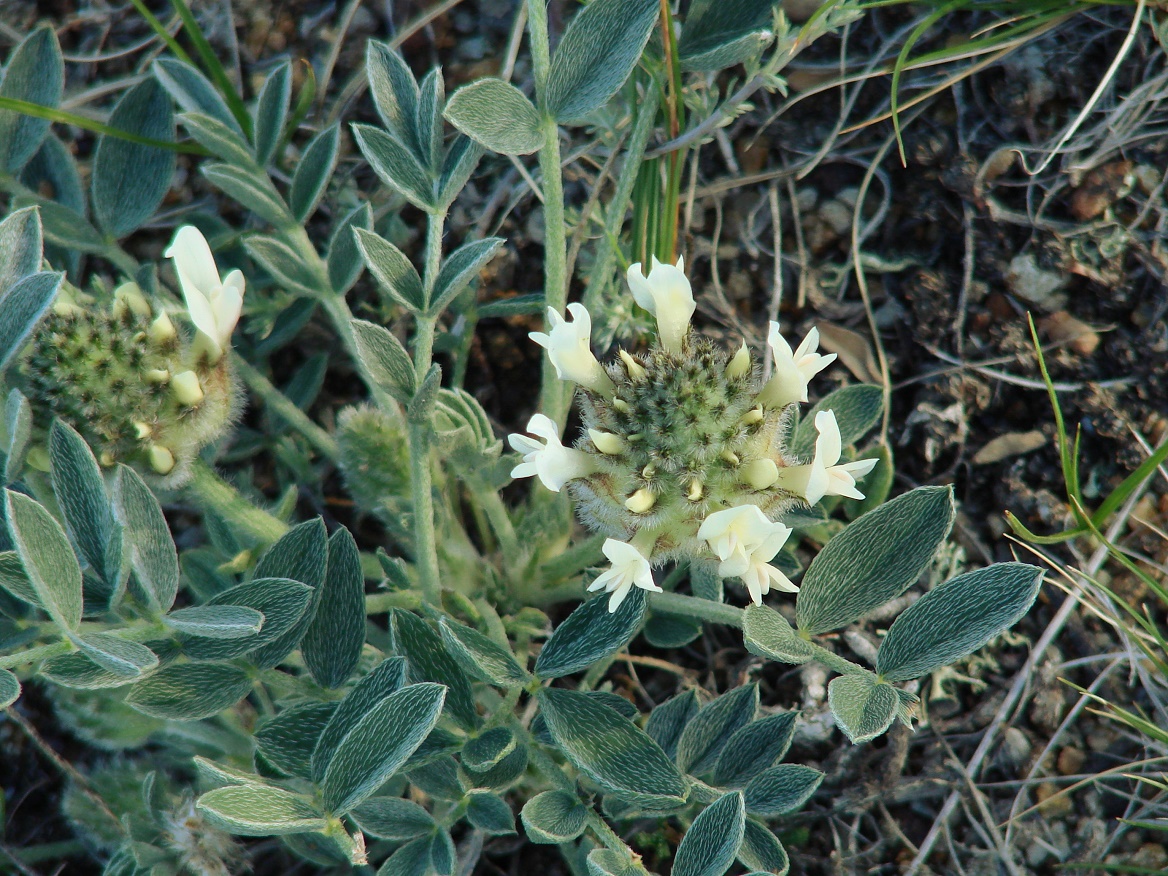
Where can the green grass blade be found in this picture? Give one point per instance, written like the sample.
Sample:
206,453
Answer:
38,111
902,60
213,66
159,28
1119,495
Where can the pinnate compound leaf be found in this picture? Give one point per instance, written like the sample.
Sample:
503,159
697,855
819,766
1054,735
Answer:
284,264
80,491
287,740
393,271
249,189
863,708
597,53
385,678
117,655
461,159
379,744
767,633
481,657
410,859
762,852
385,359
313,172
332,645
281,601
459,269
148,544
398,167
18,426
711,843
874,560
35,73
393,818
9,688
22,308
606,862
428,660
193,92
489,813
429,133
216,621
47,558
189,691
781,789
498,115
131,179
217,138
756,747
20,247
956,618
301,554
857,409
255,810
668,720
344,259
272,112
79,671
14,579
706,735
395,92
721,33
554,817
591,633
610,749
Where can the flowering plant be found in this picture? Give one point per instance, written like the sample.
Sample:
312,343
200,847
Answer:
367,693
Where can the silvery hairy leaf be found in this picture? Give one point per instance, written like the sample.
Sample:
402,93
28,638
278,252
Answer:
398,167
35,73
22,308
193,92
281,601
285,265
721,33
490,813
117,655
385,678
272,112
215,621
428,660
251,810
762,852
667,720
344,259
20,247
385,359
498,115
146,536
249,189
395,93
287,740
47,558
80,491
756,747
554,817
781,789
459,269
394,272
863,707
17,433
332,645
9,688
857,409
482,657
313,171
711,843
590,633
708,732
189,691
393,818
219,139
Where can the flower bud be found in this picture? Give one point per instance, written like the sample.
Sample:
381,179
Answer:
187,389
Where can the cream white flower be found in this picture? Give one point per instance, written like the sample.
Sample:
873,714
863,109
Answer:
629,568
214,303
746,541
823,476
793,370
567,347
667,295
554,463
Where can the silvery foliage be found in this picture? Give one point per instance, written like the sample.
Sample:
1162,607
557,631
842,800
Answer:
140,644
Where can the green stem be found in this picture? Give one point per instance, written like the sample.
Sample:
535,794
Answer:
32,655
496,512
421,473
608,836
212,493
283,407
692,606
553,399
380,603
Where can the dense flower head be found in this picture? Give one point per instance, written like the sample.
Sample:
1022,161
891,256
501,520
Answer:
115,367
683,452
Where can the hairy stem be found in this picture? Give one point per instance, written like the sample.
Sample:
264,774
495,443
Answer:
283,407
701,609
212,493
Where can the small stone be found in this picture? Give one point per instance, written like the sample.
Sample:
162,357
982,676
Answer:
1036,285
1070,761
1061,327
1016,748
1051,803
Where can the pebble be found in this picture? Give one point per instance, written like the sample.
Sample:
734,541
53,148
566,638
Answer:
1051,803
1070,761
1038,286
1016,748
1061,327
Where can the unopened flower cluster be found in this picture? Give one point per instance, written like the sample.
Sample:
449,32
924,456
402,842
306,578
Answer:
682,454
137,388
